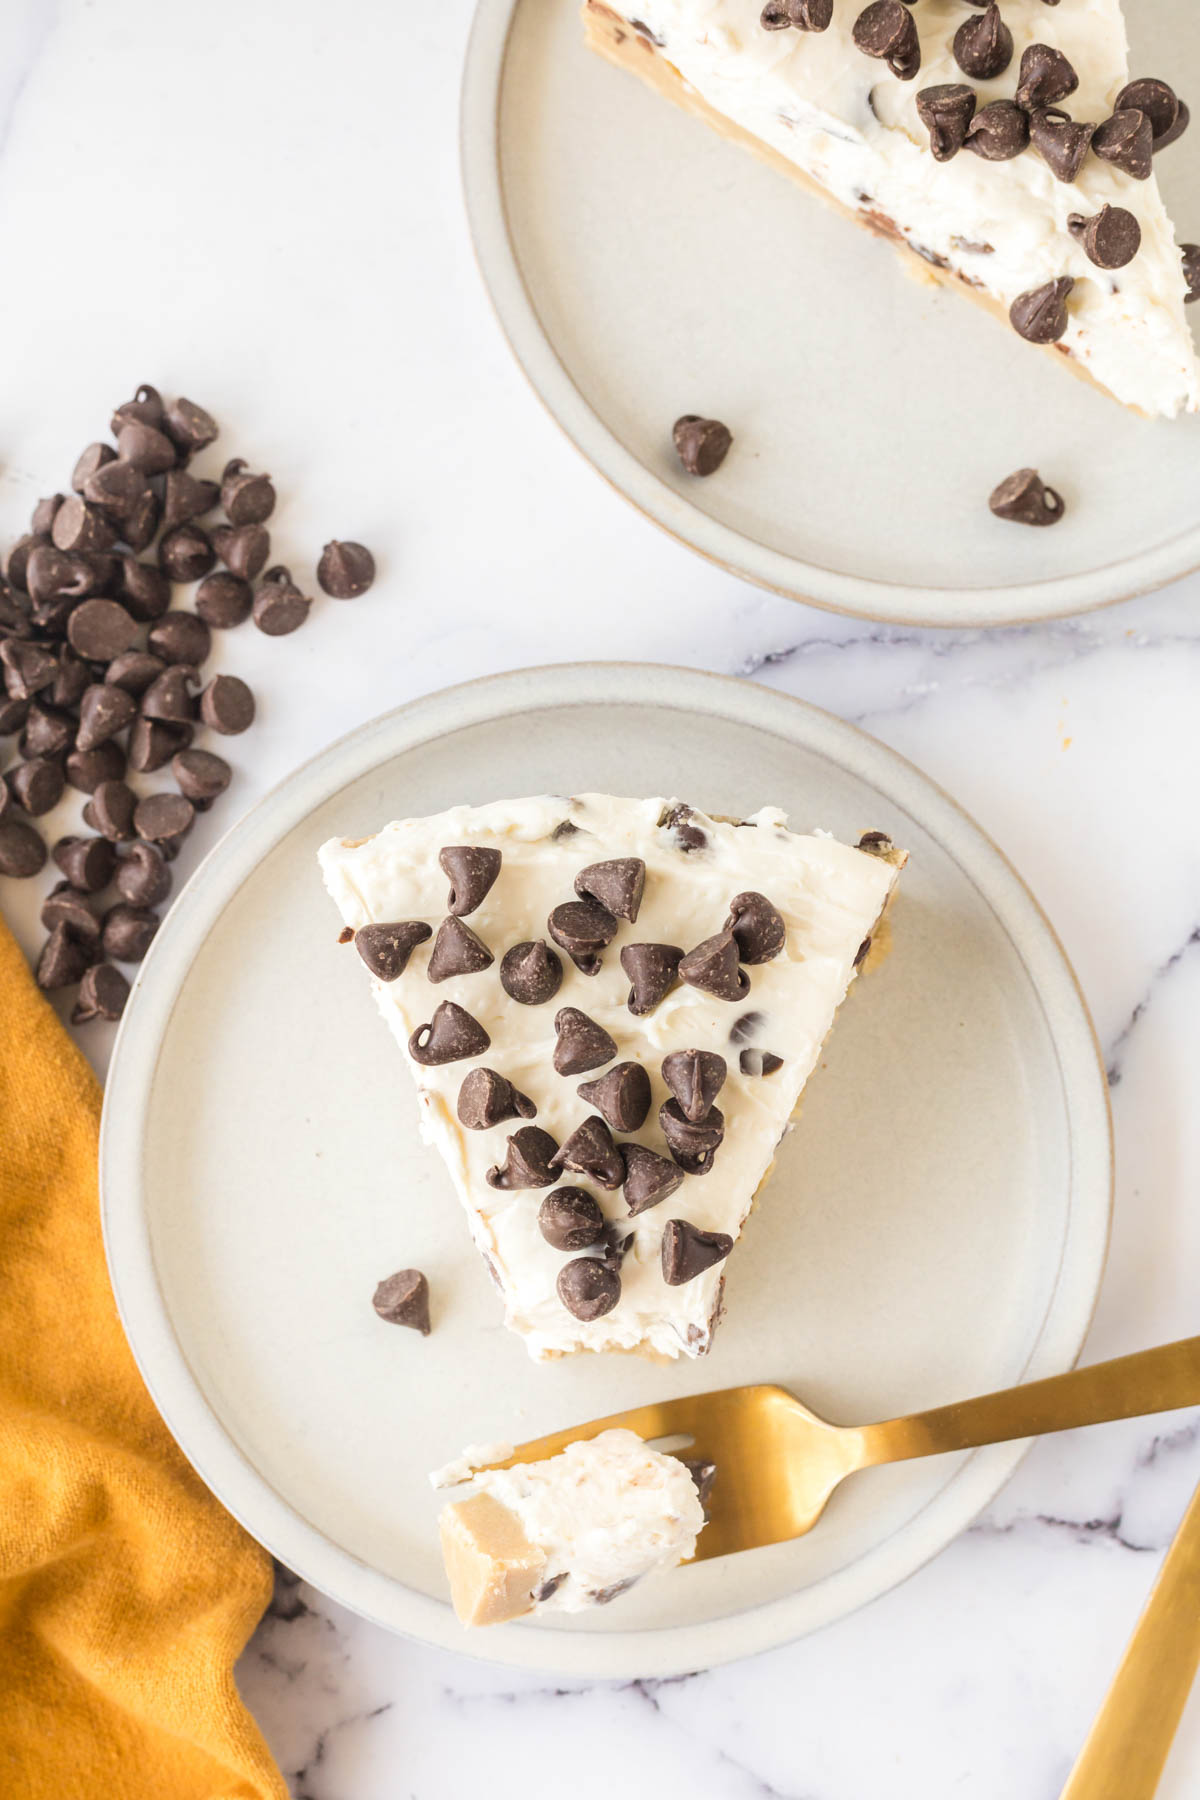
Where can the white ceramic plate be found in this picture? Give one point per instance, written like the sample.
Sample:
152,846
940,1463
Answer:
642,268
936,1226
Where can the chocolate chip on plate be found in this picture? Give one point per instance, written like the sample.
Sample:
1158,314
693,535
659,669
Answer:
227,705
37,785
621,1096
28,668
128,932
244,549
279,606
687,1251
472,868
1111,237
714,967
87,862
90,460
588,1287
759,1062
590,1150
104,711
80,529
946,111
185,498
201,775
886,30
757,926
51,573
1040,316
13,714
528,1161
110,811
570,1219
531,973
103,993
144,590
65,905
1157,100
1060,141
345,570
139,528
695,1078
152,744
457,951
42,517
403,1299
1045,76
49,730
186,552
583,929
188,426
143,878
998,132
580,1044
701,444
1024,498
224,600
146,408
692,1144
983,46
386,948
22,852
63,960
486,1099
248,499
72,681
147,448
653,970
617,885
449,1036
1191,271
169,696
118,489
180,637
1127,142
86,769
98,630
649,1177
160,818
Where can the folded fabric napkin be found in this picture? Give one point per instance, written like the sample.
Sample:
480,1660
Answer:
126,1590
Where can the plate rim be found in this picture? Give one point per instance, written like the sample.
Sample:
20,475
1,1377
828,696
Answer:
161,1359
793,578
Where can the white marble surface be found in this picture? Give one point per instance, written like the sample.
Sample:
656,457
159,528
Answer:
258,203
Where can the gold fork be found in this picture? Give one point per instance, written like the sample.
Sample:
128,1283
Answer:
778,1463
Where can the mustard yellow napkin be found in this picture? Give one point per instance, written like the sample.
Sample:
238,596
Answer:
126,1591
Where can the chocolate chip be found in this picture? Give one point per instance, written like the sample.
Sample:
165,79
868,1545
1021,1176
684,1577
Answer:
998,132
759,1062
139,527
570,1219
22,852
42,517
757,927
72,681
103,712
687,1251
185,498
13,714
686,835
244,549
189,426
692,1144
457,951
1127,142
695,1078
19,557
947,110
713,967
530,973
86,769
37,785
386,948
621,1097
100,629
152,744
886,30
146,408
581,1043
983,46
472,869
774,16
87,862
590,1150
874,843
809,15
128,931
161,817
90,462
1159,103
617,885
80,528
403,1299
48,732
703,1475
63,960
486,1099
1182,121
1110,237
50,573
103,993
143,878
701,444
1061,142
653,970
450,1035
180,637
144,590
1191,271
227,705
186,552
28,668
65,905
224,600
169,696
1040,316
1025,498
588,1288
110,811
146,448
118,489
279,606
201,775
528,1161
583,929
1044,77
345,570
649,1177
248,499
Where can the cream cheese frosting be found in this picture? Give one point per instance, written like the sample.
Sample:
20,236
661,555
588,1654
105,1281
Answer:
830,897
852,126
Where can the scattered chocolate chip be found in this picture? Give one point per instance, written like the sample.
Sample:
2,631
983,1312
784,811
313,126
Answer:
617,885
248,499
694,1078
1060,141
687,1251
570,1219
403,1299
87,862
528,1161
86,769
80,529
886,30
180,637
759,1062
809,15
486,1099
139,528
947,110
998,132
279,605
103,993
472,869
103,711
144,590
588,1288
345,570
98,630
169,696
583,929
649,1177
42,517
152,744
90,462
590,1150
386,948
146,448
1045,76
49,731
65,905
531,973
200,775
189,426
1110,237
1159,103
50,574
621,1097
692,1144
143,878
774,16
13,714
37,785
686,835
186,552
146,408
118,489
227,705
72,681
1191,271
701,444
185,498
1024,498
28,668
757,927
110,811
128,932
244,549
713,967
159,818
580,1044
1182,120
1127,142
449,1036
63,960
457,951
1040,316
653,970
224,600
22,852
983,46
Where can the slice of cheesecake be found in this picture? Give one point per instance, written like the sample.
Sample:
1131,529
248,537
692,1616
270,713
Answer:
569,1533
987,140
610,1008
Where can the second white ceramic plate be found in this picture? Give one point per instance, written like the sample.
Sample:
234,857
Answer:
642,268
936,1225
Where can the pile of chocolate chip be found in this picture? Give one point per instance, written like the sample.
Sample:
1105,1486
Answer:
102,675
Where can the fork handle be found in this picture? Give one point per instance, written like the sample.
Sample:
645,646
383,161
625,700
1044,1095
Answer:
1149,1381
1128,1745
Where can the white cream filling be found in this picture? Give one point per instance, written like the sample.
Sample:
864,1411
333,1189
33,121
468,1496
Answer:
851,125
830,897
